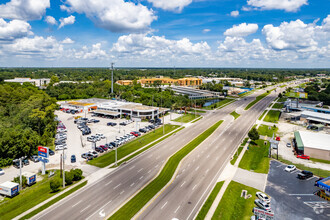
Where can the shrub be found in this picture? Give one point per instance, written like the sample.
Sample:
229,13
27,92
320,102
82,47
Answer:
68,178
55,184
77,174
24,181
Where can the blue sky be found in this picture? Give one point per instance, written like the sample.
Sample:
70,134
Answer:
165,33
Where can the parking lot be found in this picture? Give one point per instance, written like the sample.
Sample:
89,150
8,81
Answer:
293,198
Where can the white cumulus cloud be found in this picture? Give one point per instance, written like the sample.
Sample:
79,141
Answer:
94,53
241,30
66,21
14,29
24,9
206,30
50,20
67,40
234,13
170,5
115,15
287,5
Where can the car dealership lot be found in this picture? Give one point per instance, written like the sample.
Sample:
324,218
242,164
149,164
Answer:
293,198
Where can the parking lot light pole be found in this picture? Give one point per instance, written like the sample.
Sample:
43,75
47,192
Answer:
20,173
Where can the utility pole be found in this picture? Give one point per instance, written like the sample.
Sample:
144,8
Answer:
63,170
20,173
112,78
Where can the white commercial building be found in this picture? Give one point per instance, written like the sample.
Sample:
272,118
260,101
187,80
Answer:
36,82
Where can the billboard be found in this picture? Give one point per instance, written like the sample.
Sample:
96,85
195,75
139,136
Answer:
43,152
301,95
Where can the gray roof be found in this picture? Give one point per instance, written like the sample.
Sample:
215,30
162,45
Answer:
315,140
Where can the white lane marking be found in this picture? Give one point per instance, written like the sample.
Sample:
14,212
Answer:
208,156
132,184
156,165
197,168
76,204
217,158
194,187
141,177
108,182
164,205
85,208
183,183
177,209
183,170
121,192
117,186
140,170
207,171
131,167
177,176
99,209
149,171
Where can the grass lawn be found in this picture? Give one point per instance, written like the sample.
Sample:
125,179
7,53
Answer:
272,116
235,114
315,171
265,131
208,203
126,149
233,206
320,160
238,152
256,158
197,111
283,99
218,104
258,98
134,205
278,105
185,118
262,115
33,213
27,199
244,141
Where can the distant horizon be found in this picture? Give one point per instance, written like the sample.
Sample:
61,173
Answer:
248,68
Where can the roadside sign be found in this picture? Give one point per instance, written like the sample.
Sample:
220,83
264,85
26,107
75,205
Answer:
263,214
301,95
43,152
44,160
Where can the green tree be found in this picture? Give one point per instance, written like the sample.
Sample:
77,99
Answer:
68,178
24,181
77,174
55,184
253,134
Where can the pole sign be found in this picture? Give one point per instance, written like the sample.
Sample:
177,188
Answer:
301,95
43,152
263,214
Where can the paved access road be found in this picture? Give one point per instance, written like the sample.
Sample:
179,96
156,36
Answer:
106,195
200,171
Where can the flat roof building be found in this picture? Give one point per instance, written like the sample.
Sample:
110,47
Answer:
36,82
191,81
316,145
315,117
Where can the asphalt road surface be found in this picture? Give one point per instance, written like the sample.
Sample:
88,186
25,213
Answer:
107,194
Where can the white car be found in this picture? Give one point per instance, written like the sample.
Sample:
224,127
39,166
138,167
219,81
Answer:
94,153
2,172
290,168
263,197
262,205
100,136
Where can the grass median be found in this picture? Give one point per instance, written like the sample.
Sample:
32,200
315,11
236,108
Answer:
208,203
232,205
218,104
109,158
257,99
272,116
266,130
238,152
45,206
134,205
256,157
278,105
186,118
235,114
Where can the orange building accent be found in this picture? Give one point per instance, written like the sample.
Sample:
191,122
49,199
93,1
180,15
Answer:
181,82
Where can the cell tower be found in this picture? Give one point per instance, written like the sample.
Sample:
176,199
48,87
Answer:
112,78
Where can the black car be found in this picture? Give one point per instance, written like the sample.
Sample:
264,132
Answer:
113,144
25,161
99,150
51,152
73,158
142,130
111,124
151,127
123,123
151,121
16,163
304,175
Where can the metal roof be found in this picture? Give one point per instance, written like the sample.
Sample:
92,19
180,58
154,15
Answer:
299,142
314,140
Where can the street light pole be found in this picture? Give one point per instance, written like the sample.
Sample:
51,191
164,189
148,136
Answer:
63,170
20,173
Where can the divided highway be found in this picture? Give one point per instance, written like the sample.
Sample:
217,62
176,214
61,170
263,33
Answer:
103,197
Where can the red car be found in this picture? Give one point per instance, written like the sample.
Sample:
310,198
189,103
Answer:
134,133
103,147
303,156
278,138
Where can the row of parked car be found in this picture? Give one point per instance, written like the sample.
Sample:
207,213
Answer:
33,158
124,123
82,126
60,137
95,138
67,110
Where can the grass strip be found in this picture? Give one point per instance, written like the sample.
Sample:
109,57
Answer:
33,213
126,149
218,104
315,171
232,205
259,97
186,118
198,111
283,99
197,120
235,114
262,115
265,131
278,106
320,160
256,157
238,152
244,141
208,203
272,116
146,148
134,205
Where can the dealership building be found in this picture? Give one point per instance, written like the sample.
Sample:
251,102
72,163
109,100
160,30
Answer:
315,145
114,108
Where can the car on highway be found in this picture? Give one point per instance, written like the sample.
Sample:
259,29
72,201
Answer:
73,158
290,168
262,205
304,175
303,156
263,197
2,172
